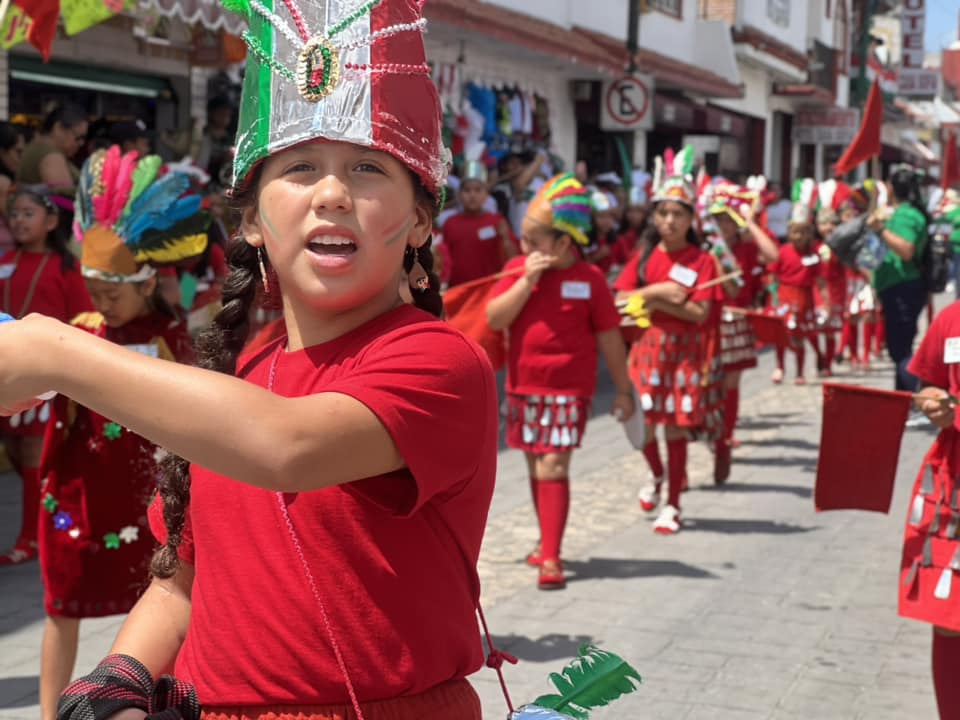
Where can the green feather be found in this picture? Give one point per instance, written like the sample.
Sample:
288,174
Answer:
688,159
595,678
240,7
144,174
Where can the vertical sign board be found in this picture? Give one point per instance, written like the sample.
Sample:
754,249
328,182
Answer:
914,80
627,104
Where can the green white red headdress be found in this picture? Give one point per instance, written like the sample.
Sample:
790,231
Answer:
804,196
130,219
673,177
346,70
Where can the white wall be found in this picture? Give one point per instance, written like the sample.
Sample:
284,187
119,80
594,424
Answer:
754,14
669,36
605,16
555,11
756,93
713,50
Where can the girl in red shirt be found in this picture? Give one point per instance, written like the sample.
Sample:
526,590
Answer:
797,270
38,276
95,547
322,512
931,548
670,364
748,248
556,313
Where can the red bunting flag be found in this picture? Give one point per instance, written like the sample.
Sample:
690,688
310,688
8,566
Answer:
950,172
859,447
43,29
769,329
466,309
866,143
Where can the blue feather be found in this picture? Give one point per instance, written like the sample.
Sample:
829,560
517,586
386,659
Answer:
155,200
162,218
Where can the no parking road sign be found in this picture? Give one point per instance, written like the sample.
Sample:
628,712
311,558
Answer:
627,104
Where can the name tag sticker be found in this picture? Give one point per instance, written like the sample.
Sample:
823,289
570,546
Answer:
6,271
683,275
951,351
148,349
572,290
487,233
809,260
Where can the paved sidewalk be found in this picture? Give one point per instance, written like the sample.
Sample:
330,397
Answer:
760,608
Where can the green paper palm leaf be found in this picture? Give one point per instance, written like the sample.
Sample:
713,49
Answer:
595,678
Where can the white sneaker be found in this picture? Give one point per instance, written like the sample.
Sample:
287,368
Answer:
668,521
649,495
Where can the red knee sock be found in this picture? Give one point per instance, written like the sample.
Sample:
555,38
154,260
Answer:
869,327
676,469
781,351
847,339
553,497
946,660
831,352
30,515
731,407
881,336
651,451
535,495
801,355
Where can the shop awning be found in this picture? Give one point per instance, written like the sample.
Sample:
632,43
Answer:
208,13
87,77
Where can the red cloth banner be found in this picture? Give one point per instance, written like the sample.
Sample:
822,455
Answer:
866,143
466,309
769,329
950,172
859,447
44,14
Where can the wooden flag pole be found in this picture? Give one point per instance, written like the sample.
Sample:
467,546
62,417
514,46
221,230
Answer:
624,299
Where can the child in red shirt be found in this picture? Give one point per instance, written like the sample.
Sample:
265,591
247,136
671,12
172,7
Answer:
322,523
98,478
478,243
630,238
797,269
670,365
38,276
928,582
747,248
556,313
603,235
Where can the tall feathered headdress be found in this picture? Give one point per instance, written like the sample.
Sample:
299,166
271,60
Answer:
564,204
673,177
804,198
729,198
130,219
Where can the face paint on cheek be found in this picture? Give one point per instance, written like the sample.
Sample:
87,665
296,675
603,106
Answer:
267,223
400,233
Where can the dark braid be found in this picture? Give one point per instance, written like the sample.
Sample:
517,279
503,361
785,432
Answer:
429,300
217,349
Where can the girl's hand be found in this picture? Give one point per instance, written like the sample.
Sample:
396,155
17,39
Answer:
932,403
535,265
23,356
623,407
670,292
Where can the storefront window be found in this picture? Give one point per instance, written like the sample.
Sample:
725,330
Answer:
668,7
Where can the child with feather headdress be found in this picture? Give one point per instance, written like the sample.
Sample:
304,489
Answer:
94,544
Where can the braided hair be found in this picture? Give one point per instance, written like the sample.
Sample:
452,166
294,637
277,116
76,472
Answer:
219,345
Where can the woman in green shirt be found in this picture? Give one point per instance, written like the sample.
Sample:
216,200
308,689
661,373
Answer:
898,281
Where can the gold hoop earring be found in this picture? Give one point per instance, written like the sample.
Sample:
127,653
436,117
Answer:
417,277
263,271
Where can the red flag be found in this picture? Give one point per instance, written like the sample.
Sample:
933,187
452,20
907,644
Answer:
950,172
769,329
45,14
859,447
866,143
466,309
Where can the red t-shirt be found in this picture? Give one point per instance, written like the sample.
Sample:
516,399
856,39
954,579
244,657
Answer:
930,361
394,556
552,343
792,268
658,269
58,293
624,247
475,246
747,255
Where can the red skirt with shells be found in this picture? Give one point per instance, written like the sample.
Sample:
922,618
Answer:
930,567
542,424
32,423
738,342
796,306
676,375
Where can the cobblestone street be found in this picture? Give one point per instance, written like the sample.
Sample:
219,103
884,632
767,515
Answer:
759,608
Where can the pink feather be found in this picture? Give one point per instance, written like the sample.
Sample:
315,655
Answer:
668,158
124,184
108,178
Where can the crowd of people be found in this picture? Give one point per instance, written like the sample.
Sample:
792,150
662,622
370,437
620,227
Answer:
359,434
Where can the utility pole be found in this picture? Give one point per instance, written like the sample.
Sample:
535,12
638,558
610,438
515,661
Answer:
633,35
863,51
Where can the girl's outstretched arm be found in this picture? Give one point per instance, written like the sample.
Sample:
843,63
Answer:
224,424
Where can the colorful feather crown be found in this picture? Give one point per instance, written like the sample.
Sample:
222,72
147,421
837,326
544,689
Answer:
673,177
129,217
564,204
804,196
729,198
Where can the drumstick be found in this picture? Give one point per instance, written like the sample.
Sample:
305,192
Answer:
949,400
622,301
